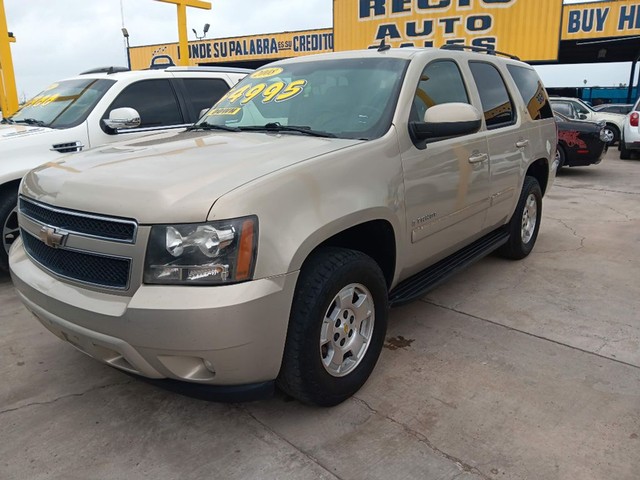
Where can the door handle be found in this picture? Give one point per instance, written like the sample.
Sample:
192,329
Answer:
522,143
478,157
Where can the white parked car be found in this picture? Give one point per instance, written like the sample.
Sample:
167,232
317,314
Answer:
613,121
630,140
622,108
95,108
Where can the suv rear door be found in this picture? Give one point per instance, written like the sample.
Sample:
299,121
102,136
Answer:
507,136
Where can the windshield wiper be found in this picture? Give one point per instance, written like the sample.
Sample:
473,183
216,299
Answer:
31,121
277,127
7,120
208,126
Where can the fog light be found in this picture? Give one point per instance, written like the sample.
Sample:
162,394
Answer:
209,366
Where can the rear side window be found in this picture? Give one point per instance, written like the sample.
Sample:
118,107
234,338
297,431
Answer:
496,103
154,100
565,109
204,92
532,91
440,82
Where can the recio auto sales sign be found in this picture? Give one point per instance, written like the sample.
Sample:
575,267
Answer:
525,28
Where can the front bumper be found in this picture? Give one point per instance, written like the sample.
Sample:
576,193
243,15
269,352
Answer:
222,335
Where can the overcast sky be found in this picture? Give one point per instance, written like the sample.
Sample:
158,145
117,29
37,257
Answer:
60,38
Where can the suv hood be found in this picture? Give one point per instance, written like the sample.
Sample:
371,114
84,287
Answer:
172,178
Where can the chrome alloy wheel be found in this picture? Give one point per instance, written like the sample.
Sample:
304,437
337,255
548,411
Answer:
10,229
529,218
347,329
607,135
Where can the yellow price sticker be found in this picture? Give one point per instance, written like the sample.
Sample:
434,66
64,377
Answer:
267,72
224,111
42,100
277,91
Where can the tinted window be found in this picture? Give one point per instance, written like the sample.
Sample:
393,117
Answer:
440,82
580,107
204,92
532,91
497,106
154,100
564,108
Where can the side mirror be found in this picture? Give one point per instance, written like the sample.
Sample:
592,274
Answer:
123,118
447,120
203,112
582,116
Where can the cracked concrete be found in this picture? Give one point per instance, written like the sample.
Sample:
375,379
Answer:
511,370
62,397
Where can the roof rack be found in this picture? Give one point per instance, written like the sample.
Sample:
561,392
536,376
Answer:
488,51
209,69
107,70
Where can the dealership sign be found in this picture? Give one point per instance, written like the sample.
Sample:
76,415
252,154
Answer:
601,20
537,31
240,49
521,27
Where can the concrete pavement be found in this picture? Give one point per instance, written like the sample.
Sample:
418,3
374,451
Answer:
511,370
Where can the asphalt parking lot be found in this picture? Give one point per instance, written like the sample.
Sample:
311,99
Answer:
512,370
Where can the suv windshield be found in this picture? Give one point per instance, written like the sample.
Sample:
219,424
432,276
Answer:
349,98
64,104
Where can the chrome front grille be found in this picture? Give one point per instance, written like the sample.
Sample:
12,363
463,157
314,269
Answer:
95,269
77,246
115,229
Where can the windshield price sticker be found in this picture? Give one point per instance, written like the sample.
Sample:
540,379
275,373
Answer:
42,100
267,72
277,91
225,111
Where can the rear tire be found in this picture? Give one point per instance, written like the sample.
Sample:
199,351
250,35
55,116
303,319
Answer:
625,153
8,225
337,327
525,223
615,133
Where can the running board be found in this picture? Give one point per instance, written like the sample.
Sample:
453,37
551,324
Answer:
414,287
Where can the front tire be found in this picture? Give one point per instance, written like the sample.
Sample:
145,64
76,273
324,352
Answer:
8,225
337,327
525,223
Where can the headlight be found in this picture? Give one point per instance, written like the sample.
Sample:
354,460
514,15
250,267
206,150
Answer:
214,253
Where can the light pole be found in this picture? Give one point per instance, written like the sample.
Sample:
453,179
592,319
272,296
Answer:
125,34
183,42
204,31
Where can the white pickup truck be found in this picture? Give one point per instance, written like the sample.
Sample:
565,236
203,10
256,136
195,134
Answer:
95,108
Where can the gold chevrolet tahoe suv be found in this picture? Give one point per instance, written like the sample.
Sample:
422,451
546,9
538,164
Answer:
265,245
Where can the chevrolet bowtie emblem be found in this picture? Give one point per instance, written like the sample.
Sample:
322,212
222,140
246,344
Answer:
51,237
